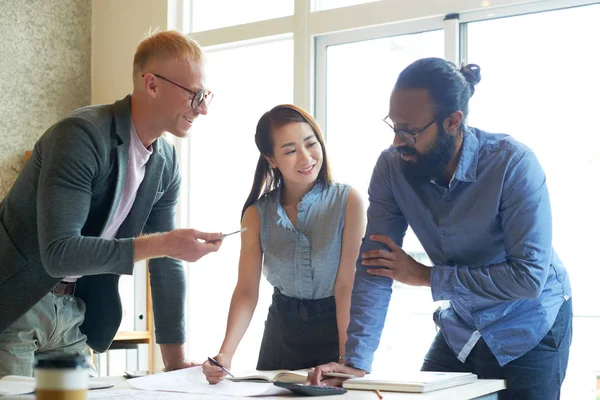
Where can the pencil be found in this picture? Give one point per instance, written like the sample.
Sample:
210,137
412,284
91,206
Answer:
378,393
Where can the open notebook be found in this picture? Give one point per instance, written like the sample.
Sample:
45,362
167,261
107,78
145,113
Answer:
418,382
280,375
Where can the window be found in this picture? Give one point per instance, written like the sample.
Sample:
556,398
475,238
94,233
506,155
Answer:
210,14
547,98
321,5
359,79
223,157
540,86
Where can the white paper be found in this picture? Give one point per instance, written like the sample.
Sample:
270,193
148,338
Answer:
13,385
192,380
126,394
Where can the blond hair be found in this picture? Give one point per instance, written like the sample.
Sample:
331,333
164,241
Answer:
165,45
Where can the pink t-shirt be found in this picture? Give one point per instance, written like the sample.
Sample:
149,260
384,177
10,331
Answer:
136,169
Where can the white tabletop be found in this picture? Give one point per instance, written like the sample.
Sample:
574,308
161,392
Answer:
479,388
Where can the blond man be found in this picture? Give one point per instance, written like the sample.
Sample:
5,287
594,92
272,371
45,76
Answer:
98,194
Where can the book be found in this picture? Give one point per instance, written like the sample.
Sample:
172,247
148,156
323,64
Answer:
416,382
279,375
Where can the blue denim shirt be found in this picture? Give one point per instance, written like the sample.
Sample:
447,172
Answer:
302,261
489,236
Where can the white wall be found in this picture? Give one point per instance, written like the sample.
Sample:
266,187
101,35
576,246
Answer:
117,28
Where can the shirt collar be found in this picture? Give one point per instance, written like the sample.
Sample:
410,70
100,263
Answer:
306,200
466,170
143,154
310,197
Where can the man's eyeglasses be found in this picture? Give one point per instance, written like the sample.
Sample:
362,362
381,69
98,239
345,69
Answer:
198,97
407,136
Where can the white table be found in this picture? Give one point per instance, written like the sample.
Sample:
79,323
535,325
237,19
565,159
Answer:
482,389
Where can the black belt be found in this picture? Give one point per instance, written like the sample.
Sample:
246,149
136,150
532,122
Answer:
314,307
64,288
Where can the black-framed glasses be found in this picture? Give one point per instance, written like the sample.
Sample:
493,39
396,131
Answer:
407,136
198,96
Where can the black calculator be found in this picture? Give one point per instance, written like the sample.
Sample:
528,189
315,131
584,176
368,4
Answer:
310,390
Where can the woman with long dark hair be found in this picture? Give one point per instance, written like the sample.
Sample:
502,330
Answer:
304,233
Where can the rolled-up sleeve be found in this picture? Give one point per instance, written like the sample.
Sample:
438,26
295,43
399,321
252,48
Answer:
527,224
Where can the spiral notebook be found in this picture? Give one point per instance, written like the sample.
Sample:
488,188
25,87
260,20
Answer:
416,382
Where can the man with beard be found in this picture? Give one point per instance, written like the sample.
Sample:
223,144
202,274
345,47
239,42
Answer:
479,205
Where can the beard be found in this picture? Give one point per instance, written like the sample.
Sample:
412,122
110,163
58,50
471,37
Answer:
431,165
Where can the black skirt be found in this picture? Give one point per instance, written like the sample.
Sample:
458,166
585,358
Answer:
299,334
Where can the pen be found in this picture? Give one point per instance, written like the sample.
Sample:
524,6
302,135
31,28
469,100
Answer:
378,393
223,236
215,363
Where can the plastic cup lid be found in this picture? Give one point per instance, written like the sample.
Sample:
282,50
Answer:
60,361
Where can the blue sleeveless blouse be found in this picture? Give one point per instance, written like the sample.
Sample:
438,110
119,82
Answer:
302,261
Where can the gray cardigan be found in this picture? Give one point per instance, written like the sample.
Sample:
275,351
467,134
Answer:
52,217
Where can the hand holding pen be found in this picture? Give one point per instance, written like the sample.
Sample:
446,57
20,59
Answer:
215,369
216,364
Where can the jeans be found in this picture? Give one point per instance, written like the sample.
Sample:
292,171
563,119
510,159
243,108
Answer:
50,326
537,375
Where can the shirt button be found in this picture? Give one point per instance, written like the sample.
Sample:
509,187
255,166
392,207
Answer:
445,232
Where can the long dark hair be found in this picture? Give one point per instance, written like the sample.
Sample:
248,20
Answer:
265,177
449,87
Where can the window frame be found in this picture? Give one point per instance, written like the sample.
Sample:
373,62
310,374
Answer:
313,31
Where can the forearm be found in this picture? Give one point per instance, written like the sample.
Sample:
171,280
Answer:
149,246
172,355
240,314
505,281
370,300
167,280
342,310
83,255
